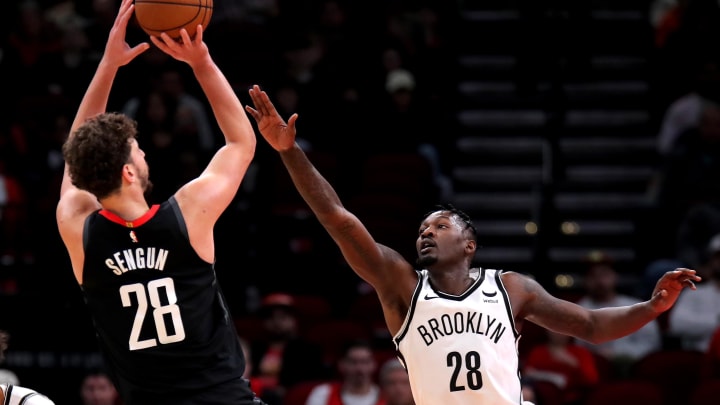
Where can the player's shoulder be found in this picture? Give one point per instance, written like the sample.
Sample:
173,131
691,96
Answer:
517,280
75,205
25,396
38,399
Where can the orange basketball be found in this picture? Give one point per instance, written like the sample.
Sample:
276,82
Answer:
170,16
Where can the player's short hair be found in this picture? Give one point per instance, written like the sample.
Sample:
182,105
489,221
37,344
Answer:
463,216
97,152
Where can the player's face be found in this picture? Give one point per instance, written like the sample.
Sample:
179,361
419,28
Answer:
441,236
98,390
137,157
396,387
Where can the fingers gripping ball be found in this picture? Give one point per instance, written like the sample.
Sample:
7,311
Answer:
170,16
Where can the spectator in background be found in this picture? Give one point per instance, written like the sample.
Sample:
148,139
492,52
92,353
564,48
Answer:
96,388
567,364
700,224
270,396
13,217
283,357
711,362
10,392
665,18
695,317
405,130
356,386
529,392
685,47
191,122
689,174
6,376
602,290
32,38
395,383
155,116
686,112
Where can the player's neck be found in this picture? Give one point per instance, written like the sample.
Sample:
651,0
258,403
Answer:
455,283
127,206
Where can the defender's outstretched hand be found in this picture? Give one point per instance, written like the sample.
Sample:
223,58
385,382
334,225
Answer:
669,287
117,51
278,133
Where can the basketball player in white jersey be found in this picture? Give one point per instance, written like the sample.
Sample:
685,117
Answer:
11,394
456,328
15,395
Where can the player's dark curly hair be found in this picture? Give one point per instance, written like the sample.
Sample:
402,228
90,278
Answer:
469,225
97,152
4,338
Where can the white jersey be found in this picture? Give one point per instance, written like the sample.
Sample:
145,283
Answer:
461,350
16,395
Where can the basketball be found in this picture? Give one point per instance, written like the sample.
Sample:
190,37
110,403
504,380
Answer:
170,16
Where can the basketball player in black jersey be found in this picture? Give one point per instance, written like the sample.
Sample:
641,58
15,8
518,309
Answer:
456,328
147,272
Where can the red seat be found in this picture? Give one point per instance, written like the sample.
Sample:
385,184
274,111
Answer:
367,308
298,393
530,336
249,328
670,369
311,308
548,393
706,392
333,334
627,392
606,368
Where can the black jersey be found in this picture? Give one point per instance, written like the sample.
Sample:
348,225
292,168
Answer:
159,313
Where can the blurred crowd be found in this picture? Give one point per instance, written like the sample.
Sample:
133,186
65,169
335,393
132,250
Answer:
367,78
362,78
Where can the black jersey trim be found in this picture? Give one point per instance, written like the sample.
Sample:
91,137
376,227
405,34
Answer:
508,308
476,284
178,215
8,394
86,228
27,397
411,311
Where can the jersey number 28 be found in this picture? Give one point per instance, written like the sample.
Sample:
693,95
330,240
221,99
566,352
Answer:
471,363
159,310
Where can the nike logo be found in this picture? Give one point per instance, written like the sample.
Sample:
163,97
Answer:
430,297
490,295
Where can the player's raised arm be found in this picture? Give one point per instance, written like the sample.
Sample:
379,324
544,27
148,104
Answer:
204,199
375,263
75,204
600,325
117,53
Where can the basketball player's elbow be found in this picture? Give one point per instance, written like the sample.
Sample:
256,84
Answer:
597,333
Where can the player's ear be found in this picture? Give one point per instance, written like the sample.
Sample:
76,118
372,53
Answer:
128,172
470,245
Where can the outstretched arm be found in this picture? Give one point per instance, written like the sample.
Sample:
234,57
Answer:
382,267
594,326
204,199
117,53
75,204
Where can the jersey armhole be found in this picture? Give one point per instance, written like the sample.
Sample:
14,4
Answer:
86,227
179,217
